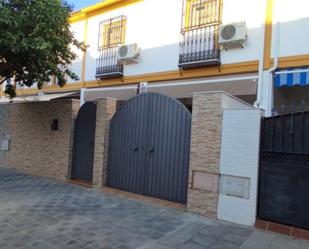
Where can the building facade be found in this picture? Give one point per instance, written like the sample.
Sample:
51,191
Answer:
180,50
221,57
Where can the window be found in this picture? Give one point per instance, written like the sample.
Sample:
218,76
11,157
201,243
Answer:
112,34
202,12
199,33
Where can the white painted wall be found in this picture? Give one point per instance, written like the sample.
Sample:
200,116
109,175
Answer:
239,157
155,26
293,17
231,102
79,30
253,13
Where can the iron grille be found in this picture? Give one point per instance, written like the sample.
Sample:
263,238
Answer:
286,108
284,169
287,133
111,35
199,34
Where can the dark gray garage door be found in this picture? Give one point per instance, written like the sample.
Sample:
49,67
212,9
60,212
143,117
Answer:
149,147
83,148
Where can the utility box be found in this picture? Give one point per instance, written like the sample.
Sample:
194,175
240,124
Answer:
5,144
235,186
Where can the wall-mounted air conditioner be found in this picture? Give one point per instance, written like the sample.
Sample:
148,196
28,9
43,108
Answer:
128,53
233,35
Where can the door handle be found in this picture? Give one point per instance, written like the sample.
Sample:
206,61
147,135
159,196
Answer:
91,143
135,149
151,150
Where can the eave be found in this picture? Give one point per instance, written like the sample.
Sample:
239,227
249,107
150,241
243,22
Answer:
99,8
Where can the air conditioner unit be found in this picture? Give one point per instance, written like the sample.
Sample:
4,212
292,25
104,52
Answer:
128,53
233,35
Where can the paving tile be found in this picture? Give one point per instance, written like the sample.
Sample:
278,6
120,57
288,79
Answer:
281,242
172,241
154,246
259,238
224,245
38,245
70,244
234,238
304,245
204,240
42,213
245,247
191,245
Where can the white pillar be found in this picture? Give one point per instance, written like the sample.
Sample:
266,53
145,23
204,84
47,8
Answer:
268,90
82,96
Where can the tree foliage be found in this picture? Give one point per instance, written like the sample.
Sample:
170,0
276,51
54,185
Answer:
35,42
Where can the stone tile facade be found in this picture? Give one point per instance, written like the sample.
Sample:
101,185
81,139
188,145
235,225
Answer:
105,111
3,132
207,116
34,147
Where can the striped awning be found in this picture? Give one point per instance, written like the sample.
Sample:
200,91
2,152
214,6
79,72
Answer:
292,77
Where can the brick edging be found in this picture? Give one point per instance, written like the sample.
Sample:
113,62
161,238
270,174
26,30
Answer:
298,233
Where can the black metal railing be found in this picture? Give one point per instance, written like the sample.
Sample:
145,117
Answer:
199,34
111,35
108,64
199,47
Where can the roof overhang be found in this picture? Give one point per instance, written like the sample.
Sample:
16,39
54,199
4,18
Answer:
237,85
98,8
37,98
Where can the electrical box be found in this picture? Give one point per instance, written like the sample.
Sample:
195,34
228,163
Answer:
205,181
235,186
5,144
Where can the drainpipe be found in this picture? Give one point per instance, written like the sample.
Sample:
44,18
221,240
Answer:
269,71
273,68
260,75
261,68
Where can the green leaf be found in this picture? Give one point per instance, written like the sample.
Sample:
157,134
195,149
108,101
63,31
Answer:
36,42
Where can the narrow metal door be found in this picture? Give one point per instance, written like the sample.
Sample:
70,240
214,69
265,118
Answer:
83,147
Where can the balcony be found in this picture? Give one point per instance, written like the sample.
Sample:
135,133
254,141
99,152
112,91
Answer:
199,47
111,35
107,63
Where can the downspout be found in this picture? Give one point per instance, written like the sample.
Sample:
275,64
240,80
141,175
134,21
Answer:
261,61
271,71
82,90
260,72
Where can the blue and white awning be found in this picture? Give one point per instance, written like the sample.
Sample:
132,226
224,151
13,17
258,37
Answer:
292,77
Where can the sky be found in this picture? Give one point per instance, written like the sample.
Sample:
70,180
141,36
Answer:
78,4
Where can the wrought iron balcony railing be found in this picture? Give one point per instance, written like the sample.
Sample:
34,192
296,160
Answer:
107,63
111,35
199,46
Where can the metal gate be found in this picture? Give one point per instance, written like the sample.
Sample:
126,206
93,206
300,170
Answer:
149,147
284,170
83,147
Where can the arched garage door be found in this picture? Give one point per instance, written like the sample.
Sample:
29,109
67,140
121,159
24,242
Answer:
149,147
